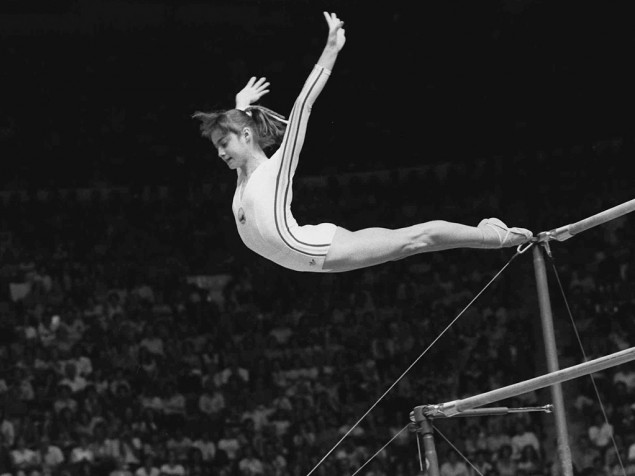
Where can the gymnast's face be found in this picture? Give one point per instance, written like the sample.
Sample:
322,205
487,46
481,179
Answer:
231,147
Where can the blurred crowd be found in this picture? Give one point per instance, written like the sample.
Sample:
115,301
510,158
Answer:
114,361
138,336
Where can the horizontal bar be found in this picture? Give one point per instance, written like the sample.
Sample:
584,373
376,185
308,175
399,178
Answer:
565,232
491,411
452,408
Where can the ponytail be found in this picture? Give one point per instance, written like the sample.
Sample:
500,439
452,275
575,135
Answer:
268,125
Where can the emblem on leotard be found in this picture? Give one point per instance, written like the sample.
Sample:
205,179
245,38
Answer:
241,216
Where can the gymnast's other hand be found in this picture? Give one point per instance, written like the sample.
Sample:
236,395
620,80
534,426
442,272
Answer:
337,34
252,92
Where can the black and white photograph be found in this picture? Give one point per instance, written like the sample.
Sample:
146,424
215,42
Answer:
317,238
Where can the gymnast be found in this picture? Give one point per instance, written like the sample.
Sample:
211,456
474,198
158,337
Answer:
262,200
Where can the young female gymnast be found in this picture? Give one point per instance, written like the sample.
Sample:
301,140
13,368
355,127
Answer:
262,200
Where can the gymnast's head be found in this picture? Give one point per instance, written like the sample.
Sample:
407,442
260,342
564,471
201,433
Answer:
257,126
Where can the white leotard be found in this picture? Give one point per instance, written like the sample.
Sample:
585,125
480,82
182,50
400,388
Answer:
262,204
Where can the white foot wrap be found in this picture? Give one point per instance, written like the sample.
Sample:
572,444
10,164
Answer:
506,236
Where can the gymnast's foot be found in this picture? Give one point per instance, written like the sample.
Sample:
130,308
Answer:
498,235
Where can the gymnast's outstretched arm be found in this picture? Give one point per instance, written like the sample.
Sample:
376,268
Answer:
334,43
298,119
258,87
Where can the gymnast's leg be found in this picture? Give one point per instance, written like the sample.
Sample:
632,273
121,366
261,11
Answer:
371,246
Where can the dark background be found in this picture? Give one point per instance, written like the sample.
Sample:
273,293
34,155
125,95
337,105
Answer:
102,92
516,109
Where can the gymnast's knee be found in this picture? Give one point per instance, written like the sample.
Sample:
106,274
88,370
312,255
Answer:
424,235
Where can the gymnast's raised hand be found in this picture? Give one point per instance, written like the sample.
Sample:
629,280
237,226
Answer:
252,92
337,35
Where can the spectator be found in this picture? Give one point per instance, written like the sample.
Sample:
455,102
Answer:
146,424
180,443
619,394
50,457
96,390
7,429
46,330
6,459
76,327
129,447
583,453
482,463
598,467
195,464
274,461
114,305
452,466
121,469
26,392
234,370
151,400
474,441
258,414
600,431
65,442
612,464
496,436
152,342
82,452
25,460
85,423
626,375
172,467
148,468
211,401
228,442
148,363
530,461
504,464
629,468
249,464
119,381
64,399
206,446
173,406
623,418
282,401
522,437
211,373
105,450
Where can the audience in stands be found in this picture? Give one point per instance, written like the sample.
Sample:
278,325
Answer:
114,362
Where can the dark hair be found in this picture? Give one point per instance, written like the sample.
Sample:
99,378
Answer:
268,125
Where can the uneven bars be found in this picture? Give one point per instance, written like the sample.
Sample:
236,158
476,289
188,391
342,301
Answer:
452,408
565,232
